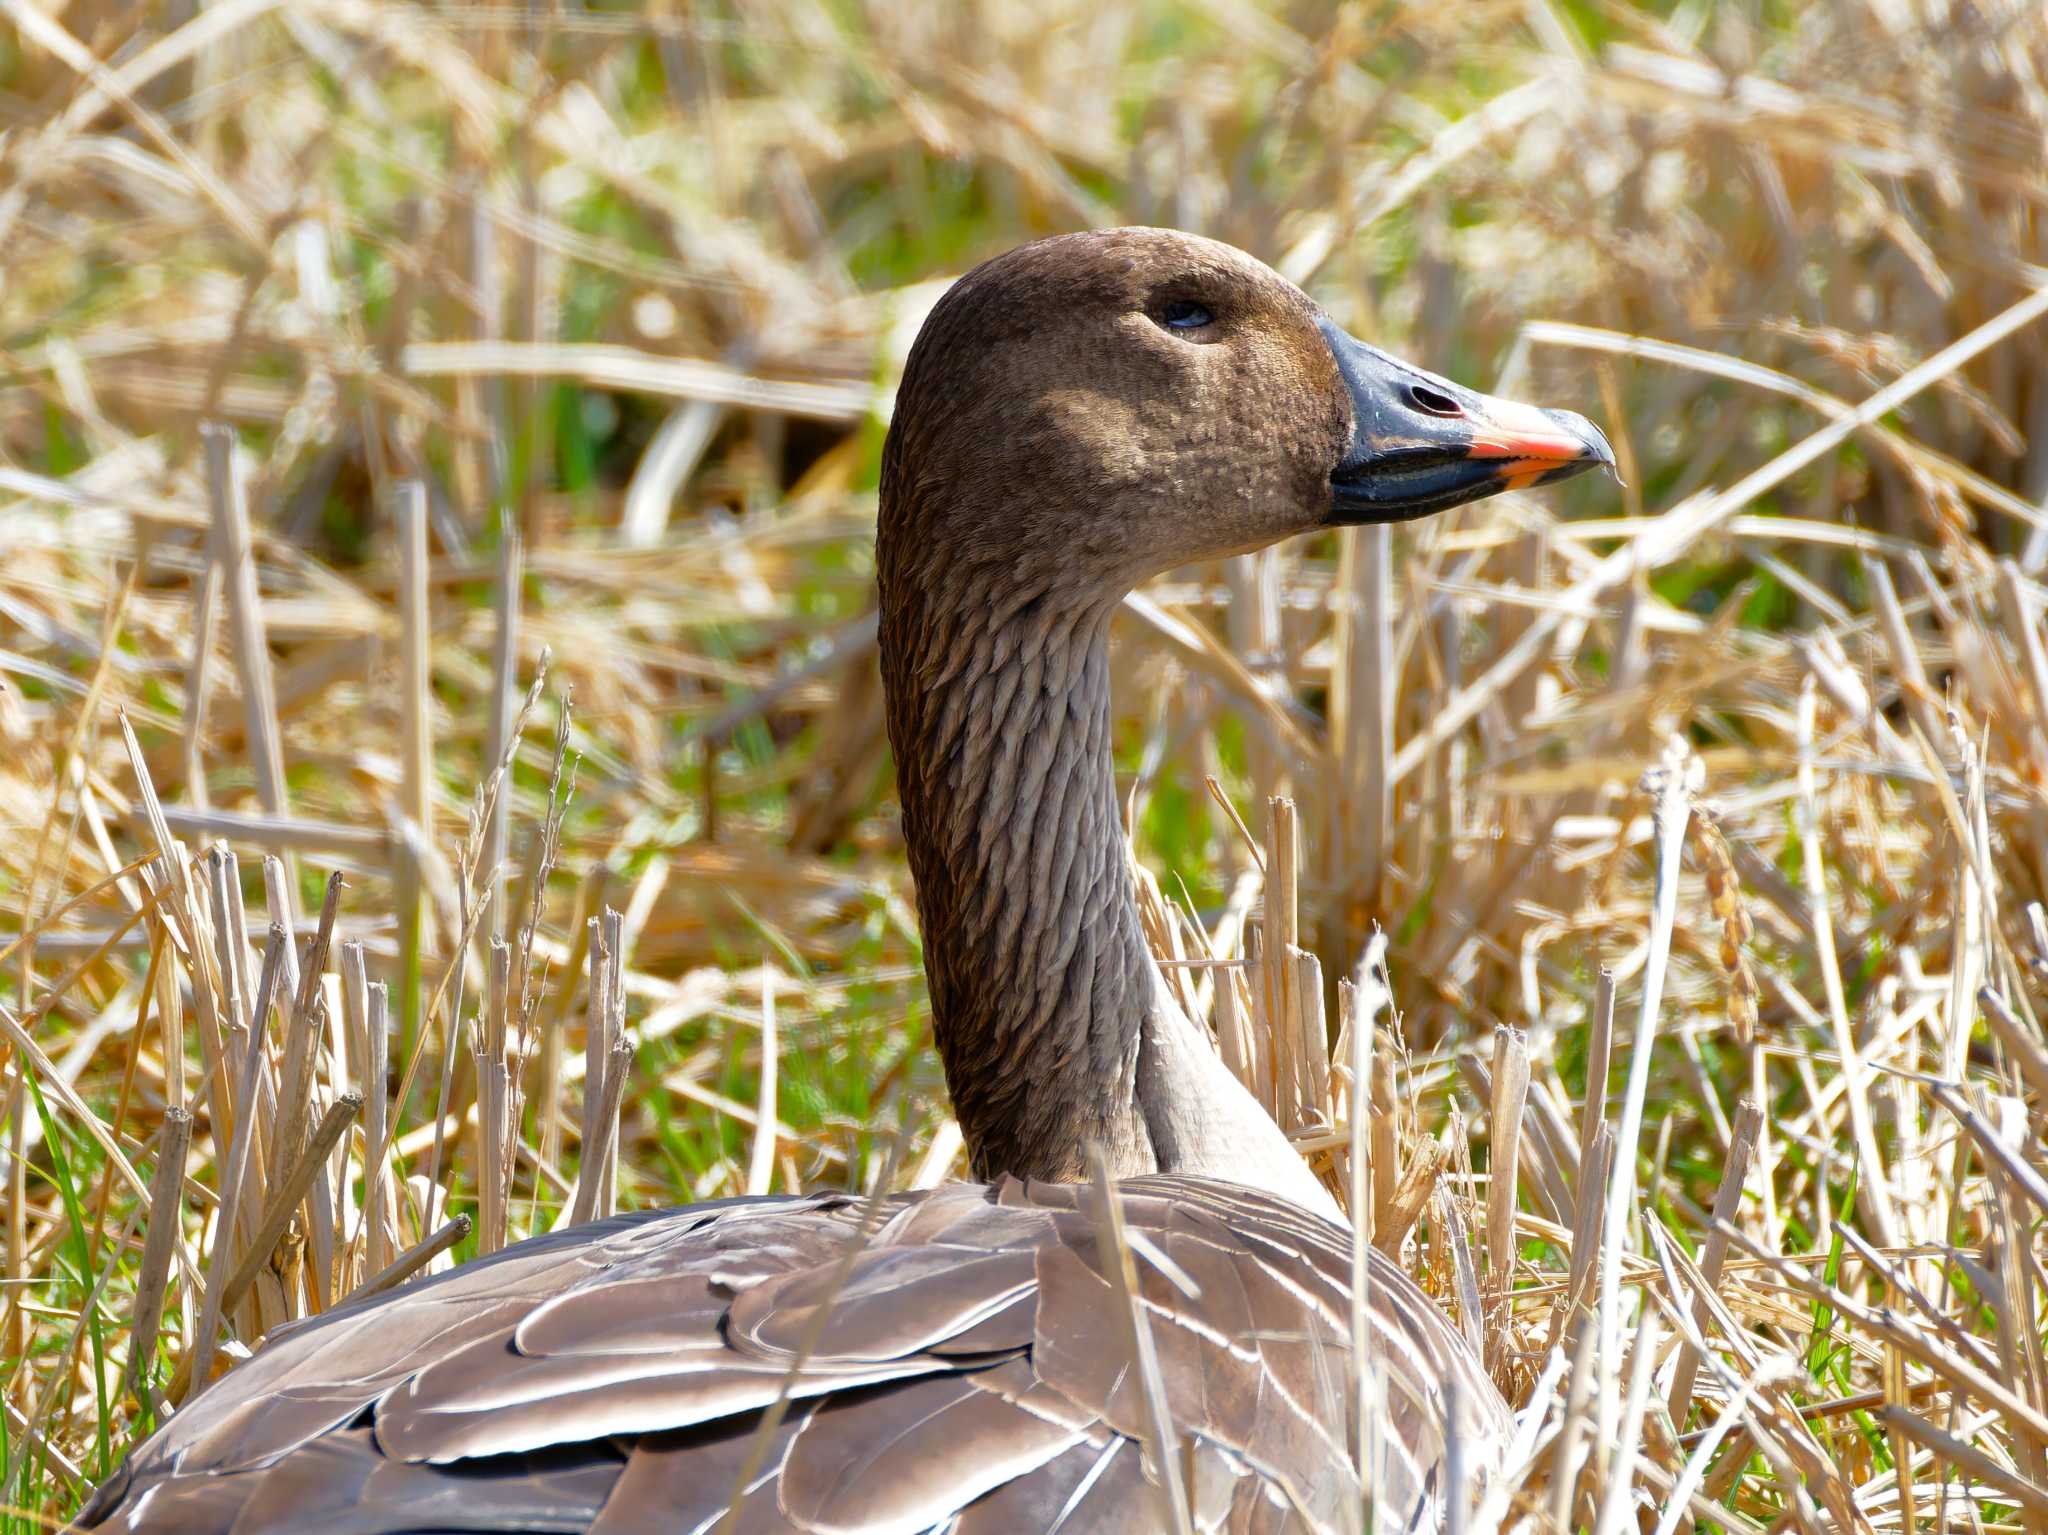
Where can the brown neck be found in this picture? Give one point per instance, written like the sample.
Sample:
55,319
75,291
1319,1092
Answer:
998,707
1054,1025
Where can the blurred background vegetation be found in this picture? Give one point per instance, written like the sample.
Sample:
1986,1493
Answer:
604,305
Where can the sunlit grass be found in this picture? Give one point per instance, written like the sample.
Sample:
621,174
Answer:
1821,197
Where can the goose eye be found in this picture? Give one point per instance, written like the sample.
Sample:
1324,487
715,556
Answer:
1186,314
1434,401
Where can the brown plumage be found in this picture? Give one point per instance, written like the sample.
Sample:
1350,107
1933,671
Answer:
1076,415
611,1378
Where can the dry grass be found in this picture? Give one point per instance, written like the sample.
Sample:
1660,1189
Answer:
566,335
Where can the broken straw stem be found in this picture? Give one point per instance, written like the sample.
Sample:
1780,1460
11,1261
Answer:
1670,785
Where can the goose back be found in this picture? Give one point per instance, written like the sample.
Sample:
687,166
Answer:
950,1360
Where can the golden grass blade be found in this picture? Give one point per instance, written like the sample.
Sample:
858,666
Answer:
618,367
761,1159
1679,530
409,509
230,501
1853,495
414,1259
166,1214
498,741
1873,1179
376,1223
1749,1123
1360,1027
1161,1441
54,1083
1362,710
1279,969
222,1268
1671,785
2028,1492
1510,1093
308,1165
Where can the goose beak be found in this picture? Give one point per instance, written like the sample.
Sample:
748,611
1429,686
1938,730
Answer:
1420,443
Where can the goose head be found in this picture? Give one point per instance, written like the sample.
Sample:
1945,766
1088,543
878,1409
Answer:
1075,416
1095,408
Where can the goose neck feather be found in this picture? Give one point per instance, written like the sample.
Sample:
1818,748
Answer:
1038,970
1050,1014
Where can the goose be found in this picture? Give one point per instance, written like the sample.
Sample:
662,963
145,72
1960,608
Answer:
1075,416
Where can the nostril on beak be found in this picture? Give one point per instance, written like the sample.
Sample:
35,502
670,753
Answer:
1434,401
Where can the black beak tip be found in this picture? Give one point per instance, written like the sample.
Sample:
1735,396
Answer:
1595,452
1599,453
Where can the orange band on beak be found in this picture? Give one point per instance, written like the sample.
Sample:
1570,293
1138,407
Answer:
1512,430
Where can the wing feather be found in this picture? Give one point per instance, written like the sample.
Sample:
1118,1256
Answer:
685,1481
961,1366
865,1467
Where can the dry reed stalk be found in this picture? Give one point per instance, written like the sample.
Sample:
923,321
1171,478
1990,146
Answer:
501,736
1234,1037
1776,183
271,1304
166,1210
1820,909
1589,1230
1574,1420
761,1158
194,1370
495,1116
235,557
1161,1442
2028,1053
301,1059
1313,1031
1387,1172
322,1206
1411,1196
414,1259
596,1031
1361,1009
306,1166
376,1223
1361,725
1254,626
1619,1500
221,1266
1670,785
490,1137
604,1052
1749,1123
550,1027
608,1061
1280,940
415,703
1454,1237
1504,1146
618,1071
198,679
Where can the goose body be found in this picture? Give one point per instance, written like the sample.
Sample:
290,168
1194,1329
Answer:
612,1379
1075,416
